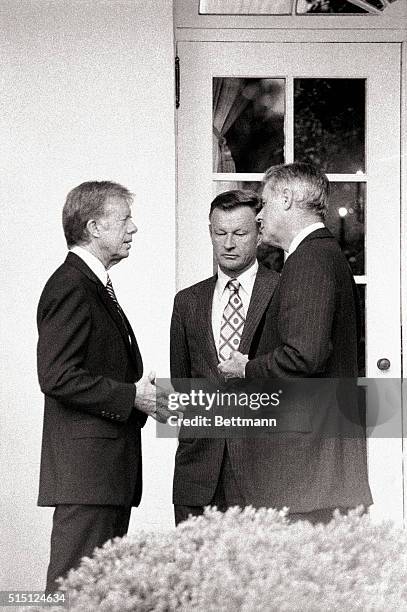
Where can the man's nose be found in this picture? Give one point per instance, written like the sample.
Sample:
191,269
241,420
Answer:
132,229
229,242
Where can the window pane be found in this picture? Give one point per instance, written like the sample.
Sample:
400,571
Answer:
248,124
329,123
245,7
376,4
346,220
327,6
269,256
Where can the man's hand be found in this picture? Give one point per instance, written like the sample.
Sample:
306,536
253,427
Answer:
234,367
152,399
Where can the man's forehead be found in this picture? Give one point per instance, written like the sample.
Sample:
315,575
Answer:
239,216
269,187
116,205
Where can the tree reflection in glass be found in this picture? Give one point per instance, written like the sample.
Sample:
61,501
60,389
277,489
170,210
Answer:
328,6
346,220
329,124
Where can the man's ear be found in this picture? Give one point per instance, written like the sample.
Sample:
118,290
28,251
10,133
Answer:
210,230
92,228
288,198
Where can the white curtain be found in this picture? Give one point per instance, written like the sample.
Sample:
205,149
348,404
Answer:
228,103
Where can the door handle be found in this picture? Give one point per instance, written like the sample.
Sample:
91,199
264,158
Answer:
383,364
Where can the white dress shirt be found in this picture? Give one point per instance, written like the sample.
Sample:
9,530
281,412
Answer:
303,234
96,266
221,296
92,262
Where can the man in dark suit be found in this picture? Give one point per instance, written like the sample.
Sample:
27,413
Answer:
88,363
311,330
203,332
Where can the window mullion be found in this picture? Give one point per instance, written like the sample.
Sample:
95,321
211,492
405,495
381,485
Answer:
289,121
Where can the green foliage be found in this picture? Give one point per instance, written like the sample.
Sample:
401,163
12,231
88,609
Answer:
249,561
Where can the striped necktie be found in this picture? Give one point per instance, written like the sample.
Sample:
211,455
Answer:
110,290
233,321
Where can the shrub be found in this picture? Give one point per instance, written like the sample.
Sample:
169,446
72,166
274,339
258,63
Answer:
250,561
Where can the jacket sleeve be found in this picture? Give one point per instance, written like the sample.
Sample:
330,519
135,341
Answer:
305,317
64,327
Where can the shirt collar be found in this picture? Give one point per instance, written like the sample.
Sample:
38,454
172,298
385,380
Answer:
246,279
303,234
92,262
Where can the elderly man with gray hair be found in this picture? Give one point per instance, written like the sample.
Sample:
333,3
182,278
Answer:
313,332
88,367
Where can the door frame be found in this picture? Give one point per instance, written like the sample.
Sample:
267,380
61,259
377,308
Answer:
389,28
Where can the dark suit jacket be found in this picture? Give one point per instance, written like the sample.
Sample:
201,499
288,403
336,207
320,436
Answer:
193,355
91,447
312,325
307,328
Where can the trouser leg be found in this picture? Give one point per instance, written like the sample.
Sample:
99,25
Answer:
182,513
323,515
227,493
77,530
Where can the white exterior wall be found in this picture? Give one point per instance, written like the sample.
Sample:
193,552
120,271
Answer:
87,94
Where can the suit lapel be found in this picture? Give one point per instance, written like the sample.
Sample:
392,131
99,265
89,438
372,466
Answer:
204,321
75,261
114,313
124,327
264,286
135,351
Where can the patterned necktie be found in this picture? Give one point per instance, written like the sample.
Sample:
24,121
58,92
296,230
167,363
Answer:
233,321
110,290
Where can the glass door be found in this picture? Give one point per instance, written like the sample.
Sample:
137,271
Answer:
247,106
